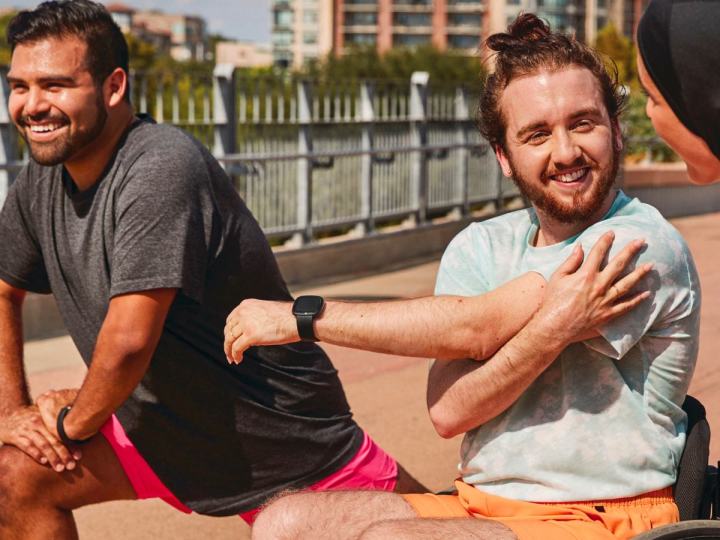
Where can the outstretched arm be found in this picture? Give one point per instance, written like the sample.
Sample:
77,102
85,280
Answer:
465,394
427,327
443,327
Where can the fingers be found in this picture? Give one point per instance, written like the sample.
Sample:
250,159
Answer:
599,251
239,346
46,450
619,263
628,304
573,262
625,284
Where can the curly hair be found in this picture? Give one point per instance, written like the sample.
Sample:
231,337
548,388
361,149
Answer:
528,47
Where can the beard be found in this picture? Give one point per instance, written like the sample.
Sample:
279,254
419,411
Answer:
64,146
584,204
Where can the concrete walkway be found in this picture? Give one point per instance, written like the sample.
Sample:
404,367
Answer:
386,393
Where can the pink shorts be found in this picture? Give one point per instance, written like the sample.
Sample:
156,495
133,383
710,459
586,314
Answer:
370,468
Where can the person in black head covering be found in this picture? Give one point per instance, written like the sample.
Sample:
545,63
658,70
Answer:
679,67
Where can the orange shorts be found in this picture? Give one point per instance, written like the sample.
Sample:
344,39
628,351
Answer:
585,520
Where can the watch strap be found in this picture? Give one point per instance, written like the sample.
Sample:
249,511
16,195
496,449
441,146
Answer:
305,326
60,426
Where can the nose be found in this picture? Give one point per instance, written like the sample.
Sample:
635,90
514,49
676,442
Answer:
565,150
35,102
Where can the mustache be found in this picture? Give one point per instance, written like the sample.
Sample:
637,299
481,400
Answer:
61,118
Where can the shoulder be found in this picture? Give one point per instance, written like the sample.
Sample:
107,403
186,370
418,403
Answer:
162,143
500,229
161,159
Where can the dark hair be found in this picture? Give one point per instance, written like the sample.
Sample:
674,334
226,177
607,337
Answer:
528,47
87,20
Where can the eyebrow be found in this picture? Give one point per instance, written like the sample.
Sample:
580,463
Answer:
588,111
45,79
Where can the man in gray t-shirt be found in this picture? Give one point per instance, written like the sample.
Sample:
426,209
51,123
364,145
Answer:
139,234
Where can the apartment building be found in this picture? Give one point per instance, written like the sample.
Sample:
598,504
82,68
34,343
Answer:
243,54
188,34
302,30
463,24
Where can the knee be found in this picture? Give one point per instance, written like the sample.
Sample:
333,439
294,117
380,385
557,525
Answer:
19,478
282,519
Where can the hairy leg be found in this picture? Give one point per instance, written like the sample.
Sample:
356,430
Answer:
328,515
431,529
37,502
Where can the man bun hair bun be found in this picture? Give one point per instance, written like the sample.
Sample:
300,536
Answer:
524,30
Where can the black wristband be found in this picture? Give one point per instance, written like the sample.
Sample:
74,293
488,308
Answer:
67,441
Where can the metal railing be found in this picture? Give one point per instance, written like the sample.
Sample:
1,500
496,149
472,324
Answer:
310,157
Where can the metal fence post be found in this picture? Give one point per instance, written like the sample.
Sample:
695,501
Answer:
224,113
462,115
304,164
367,116
8,138
418,138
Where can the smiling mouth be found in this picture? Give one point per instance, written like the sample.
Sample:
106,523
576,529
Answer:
571,176
44,128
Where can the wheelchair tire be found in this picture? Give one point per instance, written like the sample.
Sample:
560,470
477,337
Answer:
697,529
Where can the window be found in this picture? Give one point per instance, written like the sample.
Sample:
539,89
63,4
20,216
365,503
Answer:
463,42
310,16
360,19
464,19
412,19
360,39
310,38
410,40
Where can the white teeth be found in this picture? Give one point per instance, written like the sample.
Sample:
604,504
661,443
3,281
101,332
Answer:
44,128
570,177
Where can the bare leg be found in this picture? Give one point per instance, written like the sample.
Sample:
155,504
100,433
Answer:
431,529
36,502
328,515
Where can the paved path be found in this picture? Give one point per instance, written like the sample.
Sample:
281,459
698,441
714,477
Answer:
386,393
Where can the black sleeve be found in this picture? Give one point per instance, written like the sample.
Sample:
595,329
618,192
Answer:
163,224
21,260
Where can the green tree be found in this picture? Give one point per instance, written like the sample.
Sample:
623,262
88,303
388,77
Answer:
621,51
4,47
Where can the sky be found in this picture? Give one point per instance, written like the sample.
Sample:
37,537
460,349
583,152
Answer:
247,20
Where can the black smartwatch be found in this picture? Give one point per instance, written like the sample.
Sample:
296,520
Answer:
305,309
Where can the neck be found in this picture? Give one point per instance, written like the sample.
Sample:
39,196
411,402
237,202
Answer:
552,231
88,164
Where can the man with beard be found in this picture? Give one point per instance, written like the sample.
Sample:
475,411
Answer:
567,434
145,244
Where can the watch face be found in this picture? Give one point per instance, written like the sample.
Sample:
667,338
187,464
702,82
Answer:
308,305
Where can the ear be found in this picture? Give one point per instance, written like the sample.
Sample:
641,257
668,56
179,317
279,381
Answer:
115,87
503,161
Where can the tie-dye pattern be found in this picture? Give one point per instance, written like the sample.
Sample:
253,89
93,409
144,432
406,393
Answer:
604,420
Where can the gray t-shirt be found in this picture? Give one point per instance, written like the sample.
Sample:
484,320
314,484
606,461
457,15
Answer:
222,437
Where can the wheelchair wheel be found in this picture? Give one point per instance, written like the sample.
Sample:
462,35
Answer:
698,529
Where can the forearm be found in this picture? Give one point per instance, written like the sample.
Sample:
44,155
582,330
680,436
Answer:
13,386
443,327
124,349
114,373
463,395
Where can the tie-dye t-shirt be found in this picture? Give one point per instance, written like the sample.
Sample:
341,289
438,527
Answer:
604,420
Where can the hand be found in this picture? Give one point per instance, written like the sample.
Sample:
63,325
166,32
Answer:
580,299
49,405
25,429
258,322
